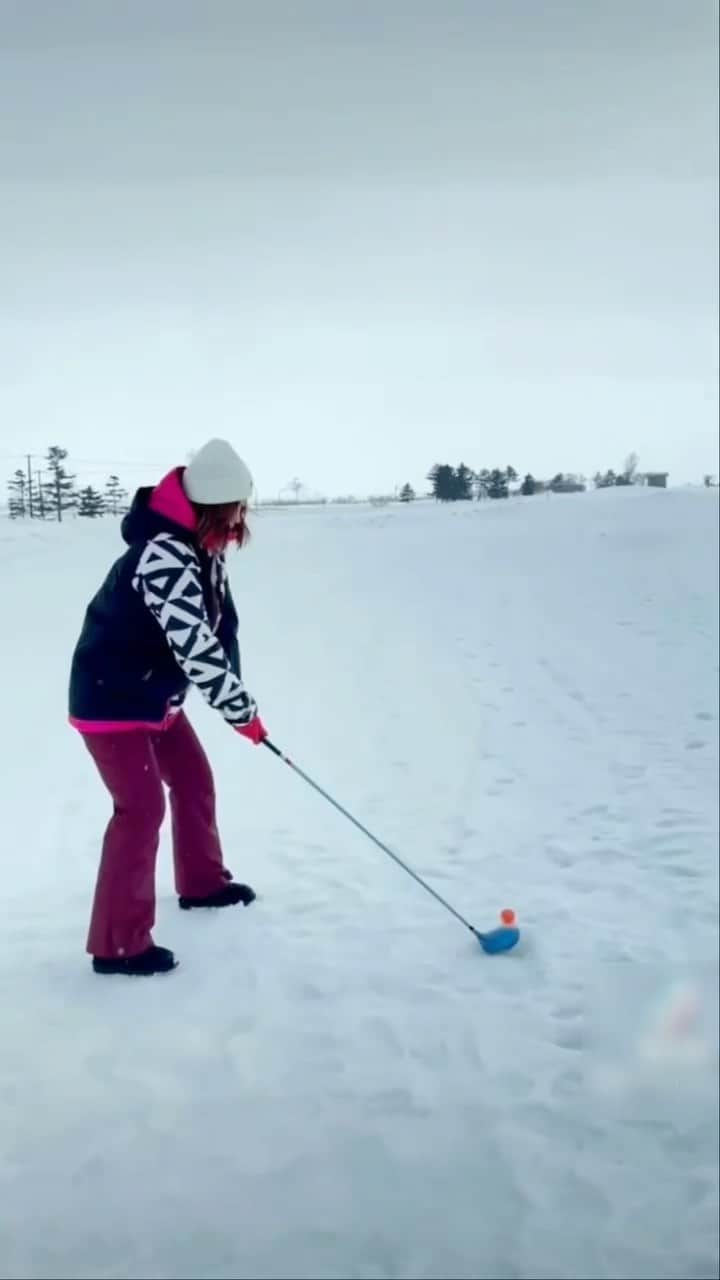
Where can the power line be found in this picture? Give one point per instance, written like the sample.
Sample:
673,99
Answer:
101,462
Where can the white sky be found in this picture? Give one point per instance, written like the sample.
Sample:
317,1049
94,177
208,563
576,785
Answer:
357,239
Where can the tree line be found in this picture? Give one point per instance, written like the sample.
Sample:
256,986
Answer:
462,484
50,491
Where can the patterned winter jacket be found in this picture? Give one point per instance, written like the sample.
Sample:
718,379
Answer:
163,619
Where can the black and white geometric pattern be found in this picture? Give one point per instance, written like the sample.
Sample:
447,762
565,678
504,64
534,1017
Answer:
168,579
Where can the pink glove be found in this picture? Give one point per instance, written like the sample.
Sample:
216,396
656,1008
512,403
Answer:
255,731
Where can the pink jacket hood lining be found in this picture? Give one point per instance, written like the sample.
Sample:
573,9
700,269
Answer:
169,499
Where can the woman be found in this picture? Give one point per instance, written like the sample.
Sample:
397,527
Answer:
163,619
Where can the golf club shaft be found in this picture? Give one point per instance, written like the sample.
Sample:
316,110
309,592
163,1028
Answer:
346,814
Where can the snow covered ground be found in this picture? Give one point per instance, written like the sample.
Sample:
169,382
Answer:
522,699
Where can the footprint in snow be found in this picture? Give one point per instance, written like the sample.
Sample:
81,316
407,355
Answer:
567,1084
596,811
560,857
568,1011
682,871
570,1037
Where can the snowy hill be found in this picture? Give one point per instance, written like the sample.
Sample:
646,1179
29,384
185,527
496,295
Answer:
522,699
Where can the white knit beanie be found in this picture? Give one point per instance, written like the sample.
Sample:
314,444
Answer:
216,474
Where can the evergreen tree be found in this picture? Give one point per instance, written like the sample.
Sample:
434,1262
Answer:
444,484
498,486
60,489
460,484
511,474
529,486
407,493
39,498
17,490
115,495
464,480
432,476
91,503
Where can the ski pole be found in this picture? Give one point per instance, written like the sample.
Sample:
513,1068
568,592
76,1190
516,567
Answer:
502,939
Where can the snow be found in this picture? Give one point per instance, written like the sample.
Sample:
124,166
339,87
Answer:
521,698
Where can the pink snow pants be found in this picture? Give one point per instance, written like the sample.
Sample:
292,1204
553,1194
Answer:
134,765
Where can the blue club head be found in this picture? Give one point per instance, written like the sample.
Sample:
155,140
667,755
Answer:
498,940
504,938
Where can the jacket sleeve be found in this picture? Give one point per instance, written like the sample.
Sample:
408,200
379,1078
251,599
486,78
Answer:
168,580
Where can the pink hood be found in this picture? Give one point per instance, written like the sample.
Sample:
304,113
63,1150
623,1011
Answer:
170,500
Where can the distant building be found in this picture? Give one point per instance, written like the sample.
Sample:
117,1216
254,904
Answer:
656,479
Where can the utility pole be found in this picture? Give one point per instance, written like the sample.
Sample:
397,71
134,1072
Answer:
29,472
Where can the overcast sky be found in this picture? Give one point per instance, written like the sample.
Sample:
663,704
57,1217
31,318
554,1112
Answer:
357,238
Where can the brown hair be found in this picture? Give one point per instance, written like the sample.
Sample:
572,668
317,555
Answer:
218,525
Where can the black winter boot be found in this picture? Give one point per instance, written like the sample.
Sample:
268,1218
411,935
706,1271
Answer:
228,896
144,965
